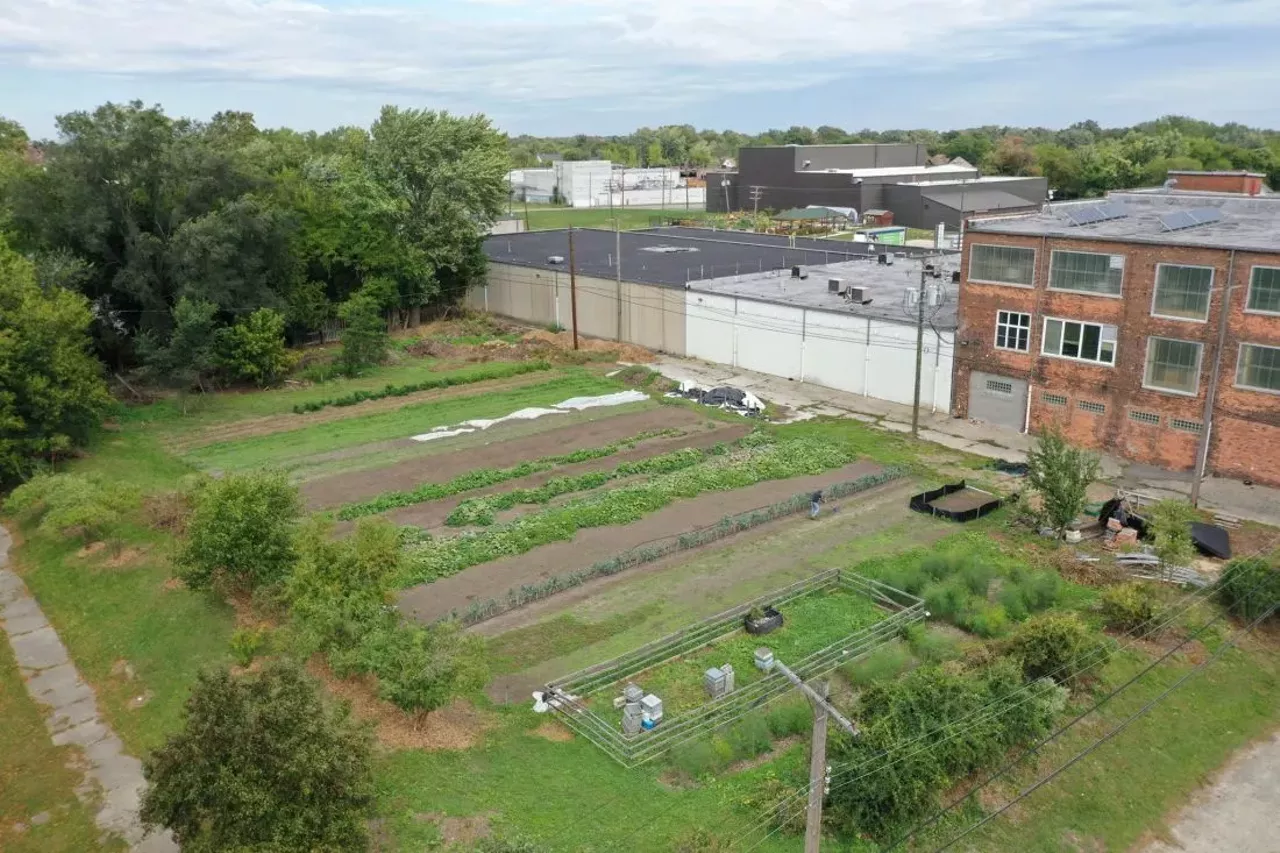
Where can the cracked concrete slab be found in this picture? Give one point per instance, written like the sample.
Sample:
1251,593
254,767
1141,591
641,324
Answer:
113,782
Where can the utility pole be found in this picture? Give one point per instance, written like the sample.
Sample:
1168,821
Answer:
920,300
573,291
617,269
1211,394
526,209
756,193
819,778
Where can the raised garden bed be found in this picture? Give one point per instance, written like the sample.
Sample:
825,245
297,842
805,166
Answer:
956,502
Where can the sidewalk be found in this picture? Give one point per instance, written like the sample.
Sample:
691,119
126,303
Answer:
804,400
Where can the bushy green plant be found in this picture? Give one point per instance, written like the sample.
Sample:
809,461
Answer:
1061,473
788,718
749,737
73,505
886,662
1059,646
241,531
701,840
946,599
698,759
467,376
984,619
932,645
977,577
1169,523
253,350
1130,607
246,643
364,336
1249,587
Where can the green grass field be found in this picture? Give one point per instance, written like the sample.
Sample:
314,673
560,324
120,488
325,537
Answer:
630,218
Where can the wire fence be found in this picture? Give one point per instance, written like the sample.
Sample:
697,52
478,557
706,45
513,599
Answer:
568,694
648,552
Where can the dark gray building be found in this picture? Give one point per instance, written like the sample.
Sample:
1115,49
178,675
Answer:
894,177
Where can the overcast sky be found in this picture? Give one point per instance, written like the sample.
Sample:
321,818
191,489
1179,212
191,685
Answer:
553,67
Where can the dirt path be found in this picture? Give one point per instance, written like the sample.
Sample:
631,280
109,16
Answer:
113,778
432,515
432,601
1237,813
499,453
287,421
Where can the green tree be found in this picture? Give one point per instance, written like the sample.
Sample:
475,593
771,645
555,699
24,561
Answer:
241,532
188,359
364,337
1250,586
262,764
253,350
1061,474
51,389
1169,523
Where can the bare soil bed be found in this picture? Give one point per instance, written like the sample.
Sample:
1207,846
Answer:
432,515
429,602
271,424
962,501
359,485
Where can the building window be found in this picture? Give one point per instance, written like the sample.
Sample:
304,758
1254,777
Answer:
1173,365
1080,341
1182,293
1091,407
1053,399
1002,264
998,386
1149,418
1258,367
1013,330
1086,272
1185,426
1264,290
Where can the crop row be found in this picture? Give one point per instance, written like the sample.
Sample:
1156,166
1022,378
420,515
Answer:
481,373
481,510
480,478
438,558
479,611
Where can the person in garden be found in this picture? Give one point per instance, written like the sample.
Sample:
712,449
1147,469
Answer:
815,504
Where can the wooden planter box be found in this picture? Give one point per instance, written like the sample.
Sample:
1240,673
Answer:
771,621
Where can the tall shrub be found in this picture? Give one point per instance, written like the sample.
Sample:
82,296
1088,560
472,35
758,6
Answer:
1061,474
241,531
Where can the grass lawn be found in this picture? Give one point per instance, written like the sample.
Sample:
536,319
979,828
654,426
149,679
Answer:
35,779
285,449
542,218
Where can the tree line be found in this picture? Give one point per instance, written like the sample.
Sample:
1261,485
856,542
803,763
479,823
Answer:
1084,159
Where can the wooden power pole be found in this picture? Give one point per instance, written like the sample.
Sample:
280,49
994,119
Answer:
818,769
920,300
573,290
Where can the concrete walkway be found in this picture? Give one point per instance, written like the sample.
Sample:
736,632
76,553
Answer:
1237,813
113,782
805,400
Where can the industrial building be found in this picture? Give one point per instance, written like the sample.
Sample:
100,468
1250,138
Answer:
1146,324
835,314
600,183
897,177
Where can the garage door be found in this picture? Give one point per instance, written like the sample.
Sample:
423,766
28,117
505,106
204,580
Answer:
999,400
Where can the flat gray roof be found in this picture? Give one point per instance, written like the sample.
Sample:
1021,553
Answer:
1250,223
885,285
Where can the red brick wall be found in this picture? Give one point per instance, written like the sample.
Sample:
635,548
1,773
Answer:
1246,437
1247,184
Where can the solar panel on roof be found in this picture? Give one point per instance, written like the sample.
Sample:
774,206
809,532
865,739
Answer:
1183,219
1088,214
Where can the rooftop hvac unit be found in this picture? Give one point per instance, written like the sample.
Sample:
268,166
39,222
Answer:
888,259
555,259
799,272
884,259
834,285
856,294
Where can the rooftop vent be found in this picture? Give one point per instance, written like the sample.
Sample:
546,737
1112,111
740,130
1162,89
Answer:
555,259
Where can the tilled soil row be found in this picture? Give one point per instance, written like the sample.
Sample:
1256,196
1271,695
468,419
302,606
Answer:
432,515
608,428
271,424
428,602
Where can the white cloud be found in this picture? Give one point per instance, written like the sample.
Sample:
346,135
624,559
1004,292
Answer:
528,53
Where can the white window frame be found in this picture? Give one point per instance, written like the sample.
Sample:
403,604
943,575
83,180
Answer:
995,342
1146,364
1124,263
1240,363
1115,352
1248,294
1155,292
1035,261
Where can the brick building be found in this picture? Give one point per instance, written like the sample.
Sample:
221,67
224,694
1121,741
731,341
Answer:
1107,318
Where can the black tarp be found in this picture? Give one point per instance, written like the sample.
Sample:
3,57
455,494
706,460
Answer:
1211,540
923,503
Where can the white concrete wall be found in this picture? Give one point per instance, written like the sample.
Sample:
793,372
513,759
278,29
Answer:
860,355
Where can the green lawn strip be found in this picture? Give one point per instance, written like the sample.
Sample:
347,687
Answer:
206,409
481,510
565,797
465,376
812,623
1132,784
282,449
380,455
35,778
603,217
878,444
106,615
480,478
439,558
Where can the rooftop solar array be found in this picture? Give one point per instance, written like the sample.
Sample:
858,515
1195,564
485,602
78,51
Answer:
1088,214
1184,219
